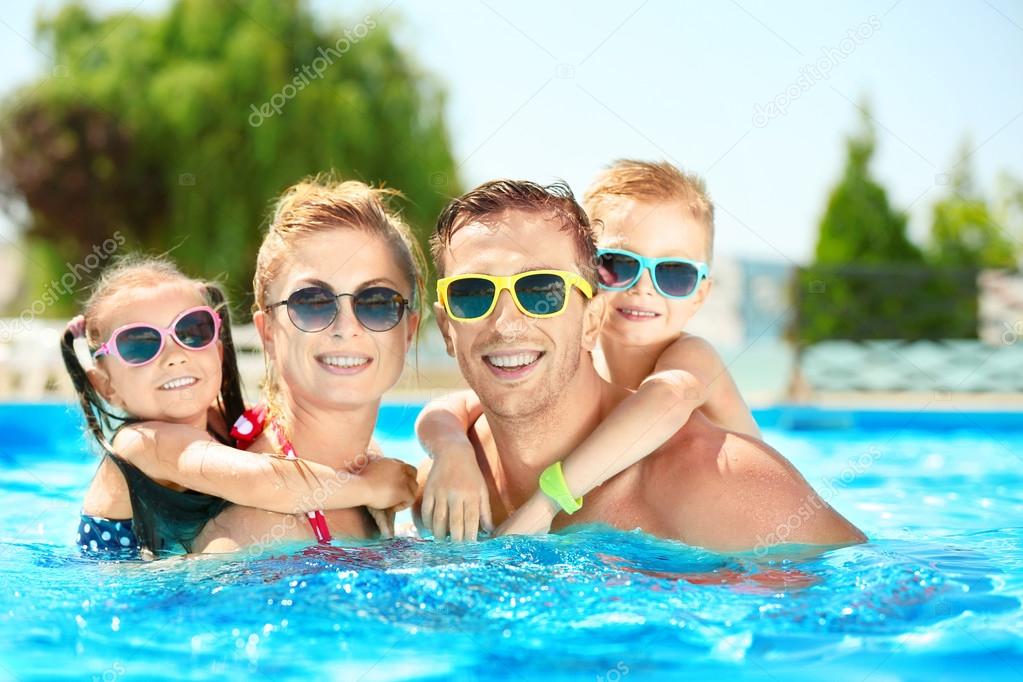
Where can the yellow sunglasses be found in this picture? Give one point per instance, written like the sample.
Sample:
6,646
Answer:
537,293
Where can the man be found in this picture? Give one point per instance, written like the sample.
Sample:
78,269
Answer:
527,357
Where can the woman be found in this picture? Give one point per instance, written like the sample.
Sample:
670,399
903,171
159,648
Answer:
337,281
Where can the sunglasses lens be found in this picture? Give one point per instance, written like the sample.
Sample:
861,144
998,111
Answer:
470,298
379,308
542,294
617,270
677,279
196,330
138,345
312,309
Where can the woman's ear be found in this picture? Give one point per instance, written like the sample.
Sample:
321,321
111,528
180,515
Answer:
593,321
444,324
413,325
260,321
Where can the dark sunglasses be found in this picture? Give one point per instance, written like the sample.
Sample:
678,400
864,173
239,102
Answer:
140,344
619,270
315,308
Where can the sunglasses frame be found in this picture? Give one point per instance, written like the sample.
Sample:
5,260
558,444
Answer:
702,272
508,282
405,305
109,347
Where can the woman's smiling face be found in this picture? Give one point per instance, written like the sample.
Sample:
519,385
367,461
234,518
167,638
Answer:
344,365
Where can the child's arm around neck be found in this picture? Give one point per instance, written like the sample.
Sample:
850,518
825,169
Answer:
189,457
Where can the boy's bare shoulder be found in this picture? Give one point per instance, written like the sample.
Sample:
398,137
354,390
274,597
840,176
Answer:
687,351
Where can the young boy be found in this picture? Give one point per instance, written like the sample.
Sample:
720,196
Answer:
655,228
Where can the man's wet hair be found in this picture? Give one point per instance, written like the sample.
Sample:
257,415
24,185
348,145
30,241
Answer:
555,201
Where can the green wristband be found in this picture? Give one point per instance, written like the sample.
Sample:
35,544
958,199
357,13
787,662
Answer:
554,486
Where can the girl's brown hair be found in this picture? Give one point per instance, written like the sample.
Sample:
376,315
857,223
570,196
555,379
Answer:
321,204
127,273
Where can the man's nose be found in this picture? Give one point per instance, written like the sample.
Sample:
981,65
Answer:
505,310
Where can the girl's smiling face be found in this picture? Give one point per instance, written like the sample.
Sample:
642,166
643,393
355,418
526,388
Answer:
180,384
344,365
640,316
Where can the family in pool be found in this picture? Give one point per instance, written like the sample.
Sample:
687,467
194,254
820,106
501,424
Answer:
588,403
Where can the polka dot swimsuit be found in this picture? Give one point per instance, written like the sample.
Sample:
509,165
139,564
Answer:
97,535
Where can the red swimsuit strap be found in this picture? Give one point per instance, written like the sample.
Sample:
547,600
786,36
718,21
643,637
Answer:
249,427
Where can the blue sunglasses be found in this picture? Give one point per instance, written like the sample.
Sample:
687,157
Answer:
677,278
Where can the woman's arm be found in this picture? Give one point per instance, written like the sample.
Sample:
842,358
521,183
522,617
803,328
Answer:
188,457
455,496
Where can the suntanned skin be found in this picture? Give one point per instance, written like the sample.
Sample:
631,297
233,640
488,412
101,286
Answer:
706,486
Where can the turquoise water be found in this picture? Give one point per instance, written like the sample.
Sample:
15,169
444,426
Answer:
936,594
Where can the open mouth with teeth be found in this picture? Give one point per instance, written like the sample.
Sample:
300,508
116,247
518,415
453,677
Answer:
179,383
343,364
636,314
512,364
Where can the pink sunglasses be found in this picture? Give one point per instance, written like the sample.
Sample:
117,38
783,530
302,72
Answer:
139,344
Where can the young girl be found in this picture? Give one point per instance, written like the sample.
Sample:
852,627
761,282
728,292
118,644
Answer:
163,355
654,271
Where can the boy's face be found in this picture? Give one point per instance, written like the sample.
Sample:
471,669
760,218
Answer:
641,316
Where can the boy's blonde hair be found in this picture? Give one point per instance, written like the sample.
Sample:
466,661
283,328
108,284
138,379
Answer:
651,181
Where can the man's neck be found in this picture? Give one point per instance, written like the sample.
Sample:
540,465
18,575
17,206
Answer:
331,436
527,446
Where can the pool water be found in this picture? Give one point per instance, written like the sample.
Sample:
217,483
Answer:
936,594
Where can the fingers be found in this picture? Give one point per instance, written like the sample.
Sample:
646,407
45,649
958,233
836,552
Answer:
383,522
455,522
412,481
426,509
486,517
472,521
440,521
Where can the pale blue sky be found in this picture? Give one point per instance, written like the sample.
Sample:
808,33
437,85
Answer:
541,91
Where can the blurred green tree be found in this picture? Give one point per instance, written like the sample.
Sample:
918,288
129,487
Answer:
964,231
179,129
859,223
869,281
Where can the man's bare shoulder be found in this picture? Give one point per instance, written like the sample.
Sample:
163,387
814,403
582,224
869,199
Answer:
728,491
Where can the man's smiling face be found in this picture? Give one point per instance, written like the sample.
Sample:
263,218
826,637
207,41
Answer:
516,364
